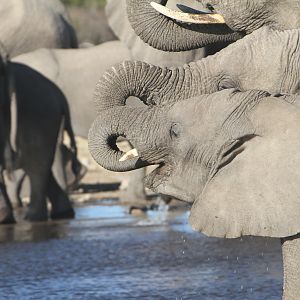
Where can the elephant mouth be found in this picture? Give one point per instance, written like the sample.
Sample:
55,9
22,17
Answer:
156,180
158,177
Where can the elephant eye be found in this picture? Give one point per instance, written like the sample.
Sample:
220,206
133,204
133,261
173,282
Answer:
210,7
175,130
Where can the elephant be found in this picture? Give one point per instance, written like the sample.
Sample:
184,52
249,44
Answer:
27,25
227,21
258,61
219,152
41,113
78,86
119,23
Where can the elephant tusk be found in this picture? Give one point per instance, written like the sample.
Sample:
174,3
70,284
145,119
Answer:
129,155
201,18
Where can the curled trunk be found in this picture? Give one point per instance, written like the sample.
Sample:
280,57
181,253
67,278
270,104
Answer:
105,130
168,35
154,85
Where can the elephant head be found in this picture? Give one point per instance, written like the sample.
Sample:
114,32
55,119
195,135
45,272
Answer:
234,155
228,21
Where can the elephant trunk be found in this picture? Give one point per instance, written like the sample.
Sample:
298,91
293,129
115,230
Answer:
155,85
108,126
168,35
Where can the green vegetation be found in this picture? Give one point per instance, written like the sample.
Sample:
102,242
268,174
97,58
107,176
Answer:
98,3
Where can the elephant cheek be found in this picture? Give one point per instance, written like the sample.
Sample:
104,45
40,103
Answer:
181,192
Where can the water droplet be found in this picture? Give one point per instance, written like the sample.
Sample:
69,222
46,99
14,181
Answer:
251,290
227,257
208,259
242,287
182,252
267,269
234,271
237,258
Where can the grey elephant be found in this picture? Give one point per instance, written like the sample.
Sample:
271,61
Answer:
42,112
118,20
258,61
27,25
221,153
228,21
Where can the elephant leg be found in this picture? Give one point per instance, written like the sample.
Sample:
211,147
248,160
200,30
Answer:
61,205
37,209
67,169
135,190
58,167
291,267
14,188
6,211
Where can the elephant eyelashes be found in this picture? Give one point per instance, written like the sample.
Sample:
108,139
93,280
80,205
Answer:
175,130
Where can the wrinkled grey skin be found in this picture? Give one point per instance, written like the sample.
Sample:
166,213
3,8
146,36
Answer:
275,70
42,111
241,16
118,21
222,154
30,24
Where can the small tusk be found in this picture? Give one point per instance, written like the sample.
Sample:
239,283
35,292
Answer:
129,155
202,18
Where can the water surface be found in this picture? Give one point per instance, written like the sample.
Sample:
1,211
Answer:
108,254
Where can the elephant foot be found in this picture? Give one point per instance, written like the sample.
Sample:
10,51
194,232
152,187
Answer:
33,216
67,214
6,216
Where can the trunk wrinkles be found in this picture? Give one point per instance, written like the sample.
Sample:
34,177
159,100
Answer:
168,35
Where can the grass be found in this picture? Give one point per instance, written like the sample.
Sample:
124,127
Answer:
97,3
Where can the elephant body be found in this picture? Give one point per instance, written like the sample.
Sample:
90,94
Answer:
42,113
30,24
233,155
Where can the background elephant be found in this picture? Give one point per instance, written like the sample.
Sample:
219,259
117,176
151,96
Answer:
258,61
241,17
30,24
221,153
42,112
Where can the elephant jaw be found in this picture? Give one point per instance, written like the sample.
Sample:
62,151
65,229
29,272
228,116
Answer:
199,18
160,181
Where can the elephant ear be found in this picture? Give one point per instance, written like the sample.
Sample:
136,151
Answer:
258,192
118,21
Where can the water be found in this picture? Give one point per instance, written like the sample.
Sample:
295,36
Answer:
115,256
